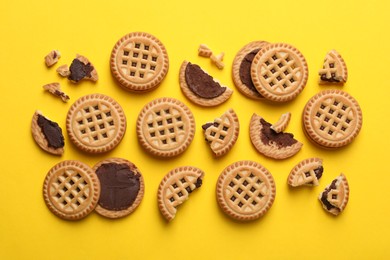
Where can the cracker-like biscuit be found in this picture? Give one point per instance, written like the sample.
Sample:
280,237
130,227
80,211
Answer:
282,123
332,118
139,62
71,190
122,187
176,187
245,190
307,172
241,69
334,69
216,94
279,72
96,123
47,134
222,134
270,143
165,127
335,197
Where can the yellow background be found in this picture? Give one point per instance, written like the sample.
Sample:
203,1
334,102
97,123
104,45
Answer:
296,227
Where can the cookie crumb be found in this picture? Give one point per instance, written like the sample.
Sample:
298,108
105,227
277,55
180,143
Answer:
204,51
217,60
55,89
52,58
63,70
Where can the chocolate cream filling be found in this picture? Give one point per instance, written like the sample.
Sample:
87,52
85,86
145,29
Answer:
324,196
280,139
119,186
201,83
245,70
318,172
79,70
52,132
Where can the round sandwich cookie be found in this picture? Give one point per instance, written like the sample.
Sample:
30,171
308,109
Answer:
96,123
307,172
332,119
245,190
71,190
201,88
241,70
176,187
279,72
165,127
139,62
122,187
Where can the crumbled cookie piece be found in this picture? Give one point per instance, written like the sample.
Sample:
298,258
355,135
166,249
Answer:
82,68
204,51
282,123
55,89
63,70
52,58
217,60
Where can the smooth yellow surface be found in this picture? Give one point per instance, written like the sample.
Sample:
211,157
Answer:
296,227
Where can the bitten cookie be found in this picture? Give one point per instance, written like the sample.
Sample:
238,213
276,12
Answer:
122,187
71,190
165,127
334,69
96,123
200,87
139,62
176,187
335,197
270,143
245,190
307,172
222,134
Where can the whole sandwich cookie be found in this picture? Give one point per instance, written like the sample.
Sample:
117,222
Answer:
200,87
122,187
332,119
176,187
47,134
334,69
307,172
245,190
279,72
165,127
241,70
139,62
270,143
222,134
335,197
96,123
71,190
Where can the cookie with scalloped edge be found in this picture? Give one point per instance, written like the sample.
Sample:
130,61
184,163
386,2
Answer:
335,196
334,70
307,172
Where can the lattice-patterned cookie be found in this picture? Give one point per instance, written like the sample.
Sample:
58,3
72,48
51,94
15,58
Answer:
165,127
334,69
200,87
96,123
335,197
222,134
270,143
176,187
279,72
122,187
245,190
332,118
71,190
241,70
139,62
307,172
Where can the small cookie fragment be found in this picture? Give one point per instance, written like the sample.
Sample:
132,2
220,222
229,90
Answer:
335,197
122,187
217,60
176,187
63,70
282,123
55,89
222,134
204,51
270,143
47,134
334,69
52,58
201,88
81,68
245,190
307,172
71,190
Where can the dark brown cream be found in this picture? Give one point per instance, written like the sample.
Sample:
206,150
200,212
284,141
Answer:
52,132
245,70
79,70
318,172
324,196
280,139
201,83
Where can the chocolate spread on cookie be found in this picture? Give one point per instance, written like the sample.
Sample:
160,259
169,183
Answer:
119,186
207,125
280,139
333,78
52,132
245,70
202,84
318,172
324,196
79,70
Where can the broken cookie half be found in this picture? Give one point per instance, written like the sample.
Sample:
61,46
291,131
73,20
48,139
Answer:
335,197
307,172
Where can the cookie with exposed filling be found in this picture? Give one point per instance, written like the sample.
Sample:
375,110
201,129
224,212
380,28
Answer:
335,197
82,69
307,172
334,69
